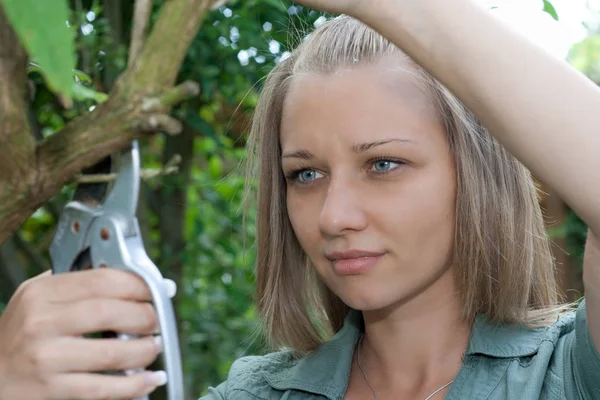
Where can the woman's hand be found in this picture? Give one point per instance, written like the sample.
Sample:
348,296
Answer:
43,355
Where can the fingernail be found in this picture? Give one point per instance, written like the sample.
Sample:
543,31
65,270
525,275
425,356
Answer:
171,287
157,378
158,342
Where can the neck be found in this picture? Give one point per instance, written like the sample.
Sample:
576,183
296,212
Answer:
418,345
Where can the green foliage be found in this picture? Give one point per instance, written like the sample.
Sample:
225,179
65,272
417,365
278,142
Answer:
549,8
81,92
585,56
218,309
49,43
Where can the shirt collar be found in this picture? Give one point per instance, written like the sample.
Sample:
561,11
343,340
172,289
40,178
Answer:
504,340
326,371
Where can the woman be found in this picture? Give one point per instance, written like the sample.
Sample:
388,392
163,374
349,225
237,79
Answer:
390,219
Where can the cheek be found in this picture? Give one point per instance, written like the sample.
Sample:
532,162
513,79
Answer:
304,220
428,218
416,218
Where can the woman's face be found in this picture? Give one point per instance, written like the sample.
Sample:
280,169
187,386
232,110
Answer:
370,183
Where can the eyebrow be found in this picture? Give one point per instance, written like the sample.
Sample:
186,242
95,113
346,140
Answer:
357,148
362,147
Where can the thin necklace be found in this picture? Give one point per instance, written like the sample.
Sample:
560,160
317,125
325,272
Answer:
364,374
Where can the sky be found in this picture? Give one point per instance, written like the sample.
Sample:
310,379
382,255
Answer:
557,37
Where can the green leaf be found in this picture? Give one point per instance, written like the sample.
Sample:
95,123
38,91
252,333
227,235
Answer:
81,92
82,76
549,8
215,167
43,31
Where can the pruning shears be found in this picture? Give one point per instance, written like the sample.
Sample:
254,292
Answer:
99,229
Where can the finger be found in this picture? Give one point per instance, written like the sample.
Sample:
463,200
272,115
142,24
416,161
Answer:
99,282
99,315
86,386
42,275
95,355
128,289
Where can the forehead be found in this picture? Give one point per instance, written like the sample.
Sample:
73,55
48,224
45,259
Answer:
364,102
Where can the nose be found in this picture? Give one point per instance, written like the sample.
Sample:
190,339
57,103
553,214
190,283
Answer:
342,210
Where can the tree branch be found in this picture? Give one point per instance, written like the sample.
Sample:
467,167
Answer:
90,138
159,122
141,21
165,49
17,144
178,94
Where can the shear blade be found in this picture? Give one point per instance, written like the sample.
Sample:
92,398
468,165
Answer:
93,194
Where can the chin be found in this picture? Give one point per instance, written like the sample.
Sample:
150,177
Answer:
368,301
376,296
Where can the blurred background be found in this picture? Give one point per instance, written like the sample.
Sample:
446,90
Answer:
192,220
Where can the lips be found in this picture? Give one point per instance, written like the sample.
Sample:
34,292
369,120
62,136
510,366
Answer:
354,262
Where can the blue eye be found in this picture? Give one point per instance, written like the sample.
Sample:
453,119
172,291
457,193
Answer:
307,175
384,165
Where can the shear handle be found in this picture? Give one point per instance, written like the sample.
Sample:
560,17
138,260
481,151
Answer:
112,247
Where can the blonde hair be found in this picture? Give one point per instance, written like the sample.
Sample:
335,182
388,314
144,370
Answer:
504,265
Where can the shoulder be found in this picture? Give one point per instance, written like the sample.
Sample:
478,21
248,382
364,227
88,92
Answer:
553,362
255,367
573,362
575,358
248,376
564,327
516,340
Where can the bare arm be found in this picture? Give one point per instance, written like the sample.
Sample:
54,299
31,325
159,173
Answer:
543,111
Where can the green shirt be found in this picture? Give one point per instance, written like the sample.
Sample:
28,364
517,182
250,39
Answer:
501,362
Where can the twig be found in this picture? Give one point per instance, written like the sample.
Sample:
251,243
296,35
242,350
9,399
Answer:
158,123
141,21
172,97
170,168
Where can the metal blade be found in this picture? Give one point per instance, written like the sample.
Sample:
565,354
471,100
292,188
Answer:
93,194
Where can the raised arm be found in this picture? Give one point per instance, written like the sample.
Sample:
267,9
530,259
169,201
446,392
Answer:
540,108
